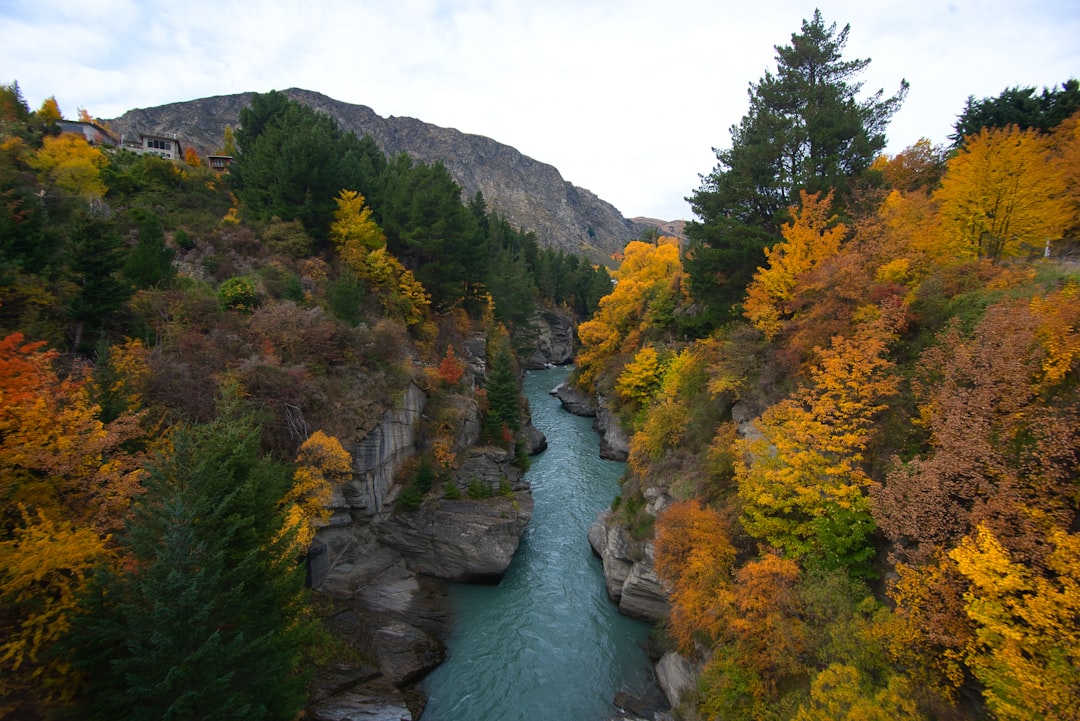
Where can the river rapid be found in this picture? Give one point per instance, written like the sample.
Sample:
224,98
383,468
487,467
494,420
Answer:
546,643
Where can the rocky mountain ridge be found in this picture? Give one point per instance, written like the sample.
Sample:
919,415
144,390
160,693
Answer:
530,194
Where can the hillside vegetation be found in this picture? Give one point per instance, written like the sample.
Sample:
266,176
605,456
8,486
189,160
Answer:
854,401
184,358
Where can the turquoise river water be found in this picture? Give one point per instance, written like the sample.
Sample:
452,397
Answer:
545,644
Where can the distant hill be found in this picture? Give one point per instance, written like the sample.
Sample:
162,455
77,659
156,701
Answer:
530,194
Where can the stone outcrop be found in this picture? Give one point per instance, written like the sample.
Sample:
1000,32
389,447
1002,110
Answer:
530,194
460,540
574,401
676,677
466,539
377,458
614,443
628,570
551,336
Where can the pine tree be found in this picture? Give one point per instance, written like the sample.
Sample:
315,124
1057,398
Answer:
806,130
206,621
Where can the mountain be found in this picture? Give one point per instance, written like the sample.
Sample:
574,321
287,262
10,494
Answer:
528,193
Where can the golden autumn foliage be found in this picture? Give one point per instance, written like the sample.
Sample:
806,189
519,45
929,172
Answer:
43,565
802,481
66,482
641,377
55,454
68,162
1026,645
841,693
1002,195
811,237
648,274
354,232
321,465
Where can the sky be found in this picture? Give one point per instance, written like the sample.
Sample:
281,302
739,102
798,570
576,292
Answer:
627,98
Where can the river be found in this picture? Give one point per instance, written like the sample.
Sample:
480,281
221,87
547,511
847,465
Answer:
545,644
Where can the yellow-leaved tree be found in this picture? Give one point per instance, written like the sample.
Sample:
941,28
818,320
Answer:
1026,646
321,464
650,276
1002,195
812,236
802,480
68,162
354,232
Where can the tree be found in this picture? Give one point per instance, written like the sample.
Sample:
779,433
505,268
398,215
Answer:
354,232
43,567
321,465
1018,106
207,620
811,237
695,558
501,386
150,262
451,369
192,157
432,233
802,481
1026,646
68,162
647,273
1002,195
292,161
95,256
806,130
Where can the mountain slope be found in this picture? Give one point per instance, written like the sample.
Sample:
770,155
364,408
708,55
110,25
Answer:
530,194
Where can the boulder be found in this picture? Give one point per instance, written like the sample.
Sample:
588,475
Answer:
534,438
574,401
405,652
460,540
353,706
676,678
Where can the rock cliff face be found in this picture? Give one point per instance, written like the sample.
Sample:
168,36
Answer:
628,570
614,443
378,457
530,194
551,336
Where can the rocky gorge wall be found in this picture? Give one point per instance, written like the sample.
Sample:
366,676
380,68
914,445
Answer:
377,568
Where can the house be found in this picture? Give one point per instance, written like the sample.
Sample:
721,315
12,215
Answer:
166,147
92,133
219,163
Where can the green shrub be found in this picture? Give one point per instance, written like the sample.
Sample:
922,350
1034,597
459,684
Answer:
238,293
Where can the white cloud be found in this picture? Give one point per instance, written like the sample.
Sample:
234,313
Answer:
626,98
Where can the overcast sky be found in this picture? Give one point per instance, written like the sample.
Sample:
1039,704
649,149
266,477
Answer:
625,97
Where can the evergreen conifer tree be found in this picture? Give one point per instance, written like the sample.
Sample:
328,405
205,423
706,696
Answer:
206,620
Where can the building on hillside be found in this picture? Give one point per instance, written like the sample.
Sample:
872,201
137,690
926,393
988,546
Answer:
162,145
219,163
92,133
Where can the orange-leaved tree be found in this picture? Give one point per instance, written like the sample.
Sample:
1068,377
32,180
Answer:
694,557
812,236
802,481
